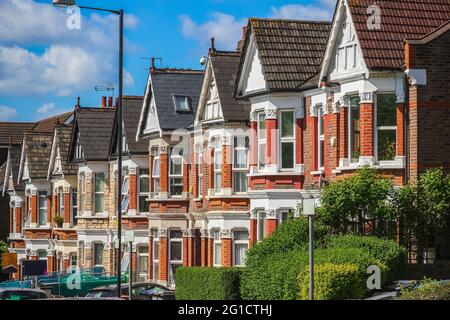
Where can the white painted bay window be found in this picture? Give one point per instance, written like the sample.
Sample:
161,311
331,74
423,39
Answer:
261,140
386,124
261,225
354,130
99,193
218,169
217,248
155,173
287,139
98,253
176,172
240,163
175,253
240,247
321,138
42,210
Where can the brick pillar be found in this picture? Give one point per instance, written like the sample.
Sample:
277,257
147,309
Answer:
253,231
163,172
185,251
67,207
299,141
185,176
34,200
367,128
334,124
210,252
271,141
50,264
314,124
211,168
226,166
11,220
132,191
204,250
18,213
227,252
49,209
271,223
66,264
193,174
163,258
253,152
343,132
400,129
191,249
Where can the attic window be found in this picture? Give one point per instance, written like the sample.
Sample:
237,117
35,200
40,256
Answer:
182,103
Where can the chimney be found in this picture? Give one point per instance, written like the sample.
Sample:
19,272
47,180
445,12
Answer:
78,106
110,102
213,45
153,69
103,102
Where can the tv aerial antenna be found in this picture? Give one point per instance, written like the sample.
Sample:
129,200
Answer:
109,87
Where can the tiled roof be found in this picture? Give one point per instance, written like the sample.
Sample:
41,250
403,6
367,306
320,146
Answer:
225,67
64,134
290,51
169,82
95,126
48,125
13,132
2,177
37,148
14,165
131,113
400,20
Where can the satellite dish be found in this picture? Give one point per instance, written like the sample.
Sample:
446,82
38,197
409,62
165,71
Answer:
203,60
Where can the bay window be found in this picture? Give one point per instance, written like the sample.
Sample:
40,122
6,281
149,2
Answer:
74,205
98,253
217,170
354,129
175,253
142,264
83,192
261,140
144,189
240,163
42,210
287,139
99,192
261,225
125,195
240,247
176,173
321,137
155,174
60,202
217,248
386,124
155,258
200,172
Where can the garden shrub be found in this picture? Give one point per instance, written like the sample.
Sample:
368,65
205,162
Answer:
428,290
333,282
207,283
386,251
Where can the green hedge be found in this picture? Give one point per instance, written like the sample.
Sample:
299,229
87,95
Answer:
333,282
386,251
204,283
428,290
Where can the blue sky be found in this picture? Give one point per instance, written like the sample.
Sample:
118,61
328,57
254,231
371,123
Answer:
44,66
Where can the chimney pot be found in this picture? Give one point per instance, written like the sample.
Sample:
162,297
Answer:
152,69
103,101
110,101
213,45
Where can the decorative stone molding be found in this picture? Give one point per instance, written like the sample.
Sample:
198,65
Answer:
401,97
163,149
366,97
254,214
226,234
253,116
271,113
188,233
204,233
132,170
271,214
336,106
300,113
163,233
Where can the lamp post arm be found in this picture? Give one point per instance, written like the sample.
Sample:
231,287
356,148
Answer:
117,12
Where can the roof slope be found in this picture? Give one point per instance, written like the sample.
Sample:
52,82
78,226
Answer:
14,167
95,126
400,19
13,132
225,67
169,82
48,125
37,148
131,113
64,134
290,51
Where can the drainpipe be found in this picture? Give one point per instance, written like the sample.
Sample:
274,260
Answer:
406,125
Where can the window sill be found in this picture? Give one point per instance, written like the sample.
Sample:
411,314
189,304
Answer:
397,164
228,196
318,172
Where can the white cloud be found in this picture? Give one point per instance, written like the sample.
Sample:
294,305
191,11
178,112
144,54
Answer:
226,29
49,110
71,60
319,10
7,113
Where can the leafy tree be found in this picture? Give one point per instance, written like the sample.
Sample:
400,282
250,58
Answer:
3,247
361,200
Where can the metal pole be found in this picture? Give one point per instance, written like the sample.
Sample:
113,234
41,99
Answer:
119,158
311,257
130,291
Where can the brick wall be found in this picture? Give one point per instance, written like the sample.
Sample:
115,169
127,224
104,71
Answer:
227,252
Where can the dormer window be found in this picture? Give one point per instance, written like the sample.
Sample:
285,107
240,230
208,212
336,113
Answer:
78,149
182,103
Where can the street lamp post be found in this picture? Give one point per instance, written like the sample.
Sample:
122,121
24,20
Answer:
309,206
120,13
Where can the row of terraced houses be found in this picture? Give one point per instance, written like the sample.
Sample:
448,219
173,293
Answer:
216,159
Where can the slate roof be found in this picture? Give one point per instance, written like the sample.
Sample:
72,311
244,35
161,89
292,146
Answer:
48,125
400,20
64,134
132,106
14,165
37,148
13,132
290,51
2,177
169,82
225,66
95,126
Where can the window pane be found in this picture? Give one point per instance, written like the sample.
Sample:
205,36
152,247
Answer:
240,159
262,155
217,182
156,185
355,133
125,202
217,160
261,225
175,250
241,235
287,124
176,186
99,203
143,204
386,110
322,153
42,217
240,251
217,254
99,182
181,103
240,182
144,185
261,125
156,167
98,253
287,155
156,250
143,264
125,185
387,145
321,126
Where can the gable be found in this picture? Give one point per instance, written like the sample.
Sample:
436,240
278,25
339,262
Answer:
57,168
252,77
152,123
346,58
212,109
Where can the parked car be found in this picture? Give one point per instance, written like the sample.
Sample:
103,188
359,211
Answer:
22,294
140,291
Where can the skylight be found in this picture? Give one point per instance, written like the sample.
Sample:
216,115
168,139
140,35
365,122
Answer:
182,103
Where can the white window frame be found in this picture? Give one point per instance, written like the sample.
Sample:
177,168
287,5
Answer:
39,257
42,194
261,117
173,176
383,128
83,193
71,260
156,177
218,170
280,215
142,194
125,191
237,242
29,213
217,241
94,253
99,193
155,274
200,174
261,228
283,140
140,255
320,137
74,205
61,202
350,129
186,102
170,261
236,147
